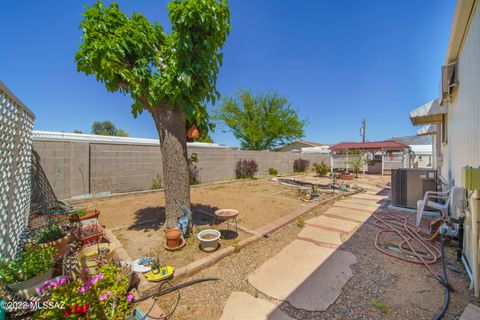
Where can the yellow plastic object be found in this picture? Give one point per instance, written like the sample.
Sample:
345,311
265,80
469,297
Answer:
163,273
471,178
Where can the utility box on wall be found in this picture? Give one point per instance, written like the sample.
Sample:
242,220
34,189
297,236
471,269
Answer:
471,178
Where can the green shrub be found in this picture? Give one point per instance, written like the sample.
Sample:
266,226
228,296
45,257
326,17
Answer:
157,182
51,233
30,263
272,171
193,170
321,168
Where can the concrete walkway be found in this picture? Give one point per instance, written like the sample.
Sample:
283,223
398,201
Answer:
311,271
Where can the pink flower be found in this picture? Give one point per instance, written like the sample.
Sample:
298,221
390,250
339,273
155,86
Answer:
130,298
53,284
84,288
84,270
104,296
119,279
96,278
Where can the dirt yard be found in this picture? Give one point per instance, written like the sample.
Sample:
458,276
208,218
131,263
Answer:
259,202
150,242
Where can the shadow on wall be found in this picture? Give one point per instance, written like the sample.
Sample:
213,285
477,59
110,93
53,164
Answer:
153,218
42,191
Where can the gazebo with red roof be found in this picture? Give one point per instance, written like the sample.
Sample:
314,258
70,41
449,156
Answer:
380,156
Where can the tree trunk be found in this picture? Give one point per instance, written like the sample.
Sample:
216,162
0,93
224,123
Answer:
170,124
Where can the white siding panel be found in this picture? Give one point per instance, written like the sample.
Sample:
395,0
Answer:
464,113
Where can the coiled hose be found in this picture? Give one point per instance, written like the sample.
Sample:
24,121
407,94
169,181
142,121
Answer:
398,224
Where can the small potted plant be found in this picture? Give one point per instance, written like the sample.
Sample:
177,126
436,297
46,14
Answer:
90,234
83,215
27,273
54,236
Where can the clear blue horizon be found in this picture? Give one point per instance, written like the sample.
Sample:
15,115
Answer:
336,61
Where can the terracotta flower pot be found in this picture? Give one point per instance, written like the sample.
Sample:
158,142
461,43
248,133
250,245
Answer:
173,237
91,214
61,245
29,288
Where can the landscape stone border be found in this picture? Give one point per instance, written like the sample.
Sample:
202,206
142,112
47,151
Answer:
145,287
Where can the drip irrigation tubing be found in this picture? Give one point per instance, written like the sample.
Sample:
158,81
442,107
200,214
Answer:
415,248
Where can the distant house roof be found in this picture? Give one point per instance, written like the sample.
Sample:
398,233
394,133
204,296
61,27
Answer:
313,144
412,140
422,149
369,145
82,137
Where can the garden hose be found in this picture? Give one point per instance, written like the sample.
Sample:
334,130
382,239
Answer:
399,224
445,279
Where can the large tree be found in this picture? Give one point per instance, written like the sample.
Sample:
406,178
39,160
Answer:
107,128
260,122
170,75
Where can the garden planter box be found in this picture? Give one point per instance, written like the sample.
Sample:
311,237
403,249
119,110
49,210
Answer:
345,177
90,234
29,288
90,217
61,245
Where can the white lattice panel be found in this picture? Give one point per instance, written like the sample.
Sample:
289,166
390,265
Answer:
16,123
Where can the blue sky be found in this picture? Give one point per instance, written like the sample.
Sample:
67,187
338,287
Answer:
336,61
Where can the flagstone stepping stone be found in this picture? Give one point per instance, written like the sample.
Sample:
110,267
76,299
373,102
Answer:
361,203
242,306
283,273
320,236
308,276
324,286
338,224
367,196
356,206
348,214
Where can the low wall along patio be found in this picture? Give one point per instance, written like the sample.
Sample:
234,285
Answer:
74,168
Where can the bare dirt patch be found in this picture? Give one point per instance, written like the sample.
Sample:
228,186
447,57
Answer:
259,202
150,242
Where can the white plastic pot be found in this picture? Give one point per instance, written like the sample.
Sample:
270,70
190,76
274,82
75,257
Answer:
209,239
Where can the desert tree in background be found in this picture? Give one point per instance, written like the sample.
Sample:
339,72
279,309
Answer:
261,122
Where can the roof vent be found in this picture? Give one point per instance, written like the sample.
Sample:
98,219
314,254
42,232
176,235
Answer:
449,81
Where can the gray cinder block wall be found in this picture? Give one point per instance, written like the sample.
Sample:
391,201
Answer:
76,168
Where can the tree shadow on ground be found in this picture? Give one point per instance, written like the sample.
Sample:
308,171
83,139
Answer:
149,218
153,218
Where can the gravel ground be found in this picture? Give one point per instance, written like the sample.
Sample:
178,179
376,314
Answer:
206,300
382,287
